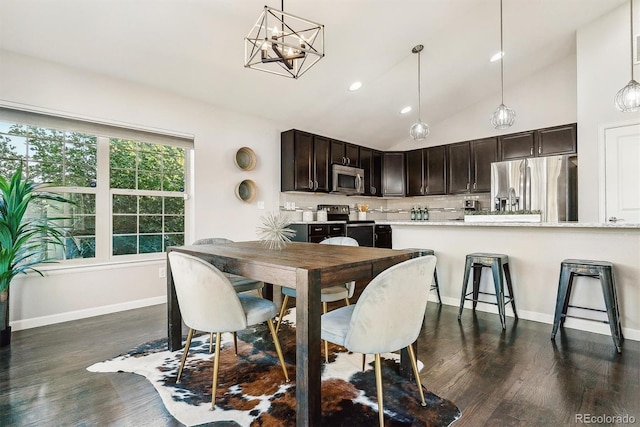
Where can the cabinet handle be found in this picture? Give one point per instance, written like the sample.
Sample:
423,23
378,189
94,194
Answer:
531,151
344,160
348,161
310,185
474,185
315,187
468,185
539,150
373,190
427,190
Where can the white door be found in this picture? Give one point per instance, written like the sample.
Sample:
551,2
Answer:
622,174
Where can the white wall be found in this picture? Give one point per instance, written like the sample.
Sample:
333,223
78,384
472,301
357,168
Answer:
603,69
68,294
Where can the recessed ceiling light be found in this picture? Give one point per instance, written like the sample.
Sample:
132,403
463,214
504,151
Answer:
405,110
496,56
355,86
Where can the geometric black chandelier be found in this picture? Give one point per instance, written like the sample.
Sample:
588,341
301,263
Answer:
283,44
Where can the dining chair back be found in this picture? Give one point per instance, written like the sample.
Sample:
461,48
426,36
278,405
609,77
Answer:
387,317
208,302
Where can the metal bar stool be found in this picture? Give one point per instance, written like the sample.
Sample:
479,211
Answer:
601,270
498,263
435,286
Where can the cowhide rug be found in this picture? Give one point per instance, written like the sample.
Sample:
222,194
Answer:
252,391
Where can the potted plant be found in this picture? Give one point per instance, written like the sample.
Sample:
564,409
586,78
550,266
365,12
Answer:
23,239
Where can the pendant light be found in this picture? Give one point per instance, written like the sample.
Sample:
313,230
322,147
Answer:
628,98
504,116
419,130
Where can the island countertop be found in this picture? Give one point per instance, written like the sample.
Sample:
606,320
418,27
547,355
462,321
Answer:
459,223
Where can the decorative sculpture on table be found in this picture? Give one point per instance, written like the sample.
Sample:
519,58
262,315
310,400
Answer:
274,232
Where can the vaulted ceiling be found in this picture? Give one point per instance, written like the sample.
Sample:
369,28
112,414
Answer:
195,48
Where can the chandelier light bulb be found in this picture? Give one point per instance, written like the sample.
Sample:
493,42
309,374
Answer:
275,32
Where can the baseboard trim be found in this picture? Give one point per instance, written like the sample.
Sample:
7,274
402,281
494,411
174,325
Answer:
82,314
570,323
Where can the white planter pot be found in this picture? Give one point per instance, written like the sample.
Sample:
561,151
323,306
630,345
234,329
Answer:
502,218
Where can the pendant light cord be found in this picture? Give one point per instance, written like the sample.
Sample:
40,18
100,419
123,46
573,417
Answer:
631,38
501,59
419,100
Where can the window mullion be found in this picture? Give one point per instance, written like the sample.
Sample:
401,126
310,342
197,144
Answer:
103,201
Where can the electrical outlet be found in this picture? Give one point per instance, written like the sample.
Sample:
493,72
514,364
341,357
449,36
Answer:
162,272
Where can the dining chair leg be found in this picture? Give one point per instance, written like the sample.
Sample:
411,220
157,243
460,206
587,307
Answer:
346,301
260,293
379,390
282,309
210,342
235,343
414,363
364,358
184,354
276,342
216,366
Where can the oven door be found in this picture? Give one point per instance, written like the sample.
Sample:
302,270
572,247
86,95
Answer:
363,233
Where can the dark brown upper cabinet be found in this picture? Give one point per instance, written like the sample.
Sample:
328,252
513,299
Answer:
306,157
393,173
541,142
426,171
469,165
371,162
343,153
557,140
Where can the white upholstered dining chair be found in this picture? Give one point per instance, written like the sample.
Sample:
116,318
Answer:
209,303
331,294
239,283
387,317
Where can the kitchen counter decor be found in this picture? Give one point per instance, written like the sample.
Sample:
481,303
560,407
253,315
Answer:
503,216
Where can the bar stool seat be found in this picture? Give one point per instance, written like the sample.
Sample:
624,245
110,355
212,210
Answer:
435,286
601,270
499,264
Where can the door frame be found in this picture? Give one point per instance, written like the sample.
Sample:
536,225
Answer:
602,170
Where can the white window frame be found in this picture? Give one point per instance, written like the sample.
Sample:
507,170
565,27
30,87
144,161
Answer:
104,194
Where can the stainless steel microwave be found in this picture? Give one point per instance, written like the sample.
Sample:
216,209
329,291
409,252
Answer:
347,179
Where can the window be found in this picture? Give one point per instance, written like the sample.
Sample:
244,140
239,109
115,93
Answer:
134,188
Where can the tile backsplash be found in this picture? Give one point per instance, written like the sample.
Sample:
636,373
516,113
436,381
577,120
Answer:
441,208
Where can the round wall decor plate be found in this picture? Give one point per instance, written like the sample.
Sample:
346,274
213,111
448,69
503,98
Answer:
245,159
246,190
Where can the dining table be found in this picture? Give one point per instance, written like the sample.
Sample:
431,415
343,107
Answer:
307,267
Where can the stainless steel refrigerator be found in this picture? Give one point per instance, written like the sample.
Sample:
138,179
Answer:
548,184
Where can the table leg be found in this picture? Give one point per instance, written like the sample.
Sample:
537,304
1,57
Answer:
308,354
174,317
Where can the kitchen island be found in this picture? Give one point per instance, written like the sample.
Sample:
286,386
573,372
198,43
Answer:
535,252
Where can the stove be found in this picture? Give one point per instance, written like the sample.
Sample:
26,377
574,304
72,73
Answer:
361,230
341,213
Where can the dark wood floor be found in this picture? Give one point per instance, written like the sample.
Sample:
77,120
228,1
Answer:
515,378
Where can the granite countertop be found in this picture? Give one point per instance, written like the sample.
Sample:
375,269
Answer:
459,223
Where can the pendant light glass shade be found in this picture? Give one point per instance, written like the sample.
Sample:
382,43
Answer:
628,98
504,116
419,130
